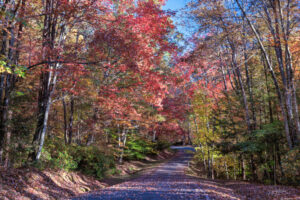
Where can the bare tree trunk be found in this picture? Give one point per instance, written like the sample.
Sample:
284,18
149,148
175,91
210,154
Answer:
78,140
42,131
226,170
154,136
295,105
234,171
253,168
279,159
269,96
8,138
106,136
274,169
260,117
208,164
212,167
90,139
6,117
183,139
71,120
244,168
189,134
123,140
65,121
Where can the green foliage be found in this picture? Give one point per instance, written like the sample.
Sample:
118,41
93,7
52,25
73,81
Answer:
138,148
113,171
161,145
87,159
269,133
20,71
22,127
291,166
58,155
92,161
258,147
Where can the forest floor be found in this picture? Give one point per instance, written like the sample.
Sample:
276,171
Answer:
29,184
243,189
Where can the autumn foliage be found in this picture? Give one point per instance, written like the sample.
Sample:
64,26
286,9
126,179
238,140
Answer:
92,73
103,81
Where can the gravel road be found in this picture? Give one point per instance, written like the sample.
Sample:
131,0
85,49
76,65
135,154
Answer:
167,181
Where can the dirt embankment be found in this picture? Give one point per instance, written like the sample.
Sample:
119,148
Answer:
28,184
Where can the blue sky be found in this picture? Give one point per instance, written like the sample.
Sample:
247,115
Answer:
184,26
175,4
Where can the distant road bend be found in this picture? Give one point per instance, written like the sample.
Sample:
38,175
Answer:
166,182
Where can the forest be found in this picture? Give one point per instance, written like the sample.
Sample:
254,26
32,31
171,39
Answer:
86,85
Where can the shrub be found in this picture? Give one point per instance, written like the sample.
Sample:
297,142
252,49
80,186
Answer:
291,166
161,145
137,149
92,161
87,159
57,155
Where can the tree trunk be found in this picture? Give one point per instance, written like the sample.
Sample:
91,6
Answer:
279,159
189,134
274,169
253,168
270,67
10,53
71,120
234,172
78,140
244,168
248,80
208,164
212,167
260,117
269,96
123,140
223,73
200,144
65,120
183,139
239,79
289,64
226,170
90,139
48,77
8,138
287,74
154,136
42,131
